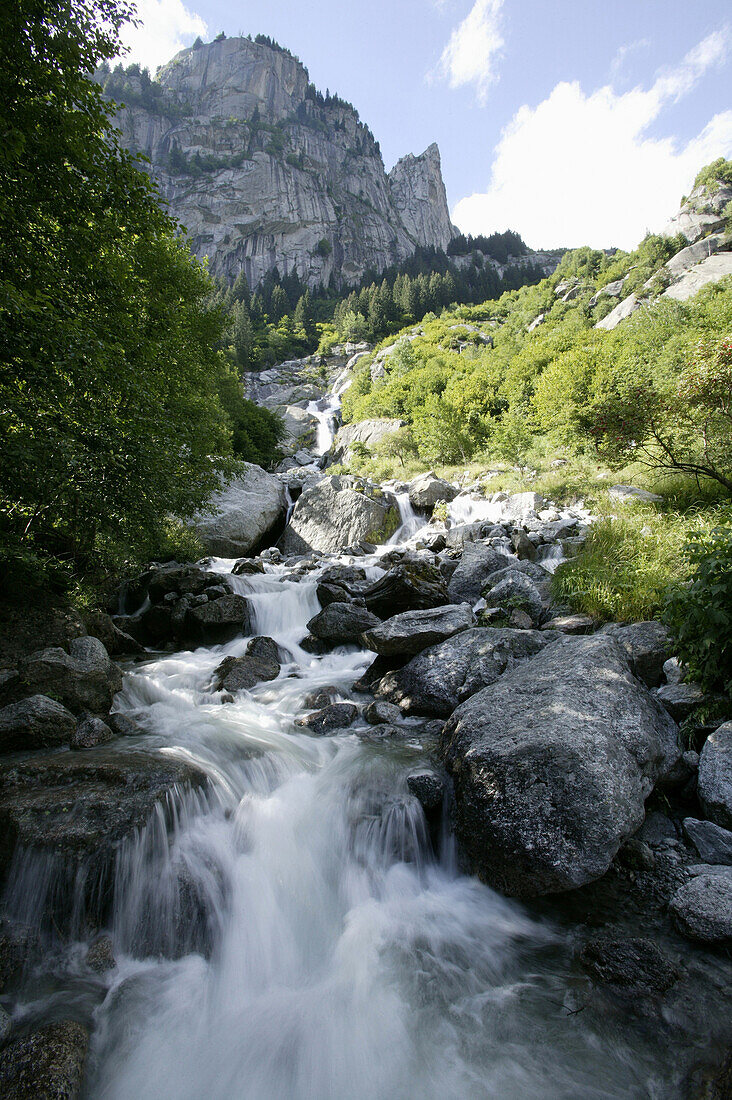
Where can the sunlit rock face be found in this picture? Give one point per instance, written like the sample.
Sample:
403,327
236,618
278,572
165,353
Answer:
265,173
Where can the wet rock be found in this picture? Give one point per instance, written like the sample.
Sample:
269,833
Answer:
441,677
6,1026
523,547
715,776
116,642
335,716
248,511
384,732
412,586
260,662
339,512
334,593
476,564
552,765
219,620
84,679
47,1064
123,726
100,956
322,697
35,723
412,631
426,490
179,580
635,966
380,712
378,668
314,645
341,623
17,945
712,842
702,909
83,804
247,567
571,624
90,732
680,700
648,646
428,788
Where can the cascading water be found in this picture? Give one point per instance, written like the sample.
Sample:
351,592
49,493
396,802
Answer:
326,410
410,524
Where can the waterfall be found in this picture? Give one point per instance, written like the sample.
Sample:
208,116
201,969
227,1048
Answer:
410,521
326,410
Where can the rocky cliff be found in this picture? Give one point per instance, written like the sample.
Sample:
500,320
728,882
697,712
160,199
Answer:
264,171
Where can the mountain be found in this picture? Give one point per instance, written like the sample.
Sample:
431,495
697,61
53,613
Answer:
265,171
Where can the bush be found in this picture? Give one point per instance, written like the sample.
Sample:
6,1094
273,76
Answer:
699,612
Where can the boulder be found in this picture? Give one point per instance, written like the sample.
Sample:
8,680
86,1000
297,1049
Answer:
35,723
335,716
181,580
516,591
648,646
339,512
243,514
90,732
84,679
623,309
571,624
715,776
82,804
368,432
630,492
380,712
100,956
552,765
702,909
114,640
45,1064
712,842
412,631
710,270
411,586
426,490
635,966
428,788
341,623
435,681
680,700
260,662
476,564
218,621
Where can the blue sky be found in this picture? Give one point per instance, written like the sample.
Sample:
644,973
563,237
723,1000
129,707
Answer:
574,123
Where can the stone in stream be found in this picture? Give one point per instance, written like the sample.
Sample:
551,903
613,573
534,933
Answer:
516,591
712,842
244,514
380,712
552,765
84,679
218,621
335,716
428,788
100,956
90,732
246,567
45,1064
478,561
427,490
260,662
715,776
702,909
412,631
35,723
341,623
441,677
412,586
635,966
339,512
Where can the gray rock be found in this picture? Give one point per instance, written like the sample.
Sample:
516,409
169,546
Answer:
411,586
218,621
439,678
702,909
35,723
426,490
6,1026
90,732
476,564
552,765
82,679
520,620
715,776
428,788
712,842
630,492
100,956
657,829
622,310
18,946
523,547
520,507
634,966
242,514
702,213
260,662
332,515
516,590
384,732
47,1064
680,700
368,432
571,624
335,716
710,270
382,713
341,623
648,646
246,567
412,631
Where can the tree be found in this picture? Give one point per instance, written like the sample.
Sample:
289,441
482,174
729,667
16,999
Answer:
109,414
439,432
304,318
242,336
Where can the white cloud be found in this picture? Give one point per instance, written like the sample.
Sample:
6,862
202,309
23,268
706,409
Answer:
474,47
166,26
580,169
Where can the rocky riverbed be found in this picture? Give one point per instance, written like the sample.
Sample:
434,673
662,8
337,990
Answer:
353,808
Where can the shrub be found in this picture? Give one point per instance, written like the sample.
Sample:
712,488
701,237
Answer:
699,612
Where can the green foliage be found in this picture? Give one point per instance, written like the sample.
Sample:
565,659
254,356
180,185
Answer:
699,612
109,412
323,248
719,171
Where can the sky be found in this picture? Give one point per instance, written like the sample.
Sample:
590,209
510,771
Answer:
572,123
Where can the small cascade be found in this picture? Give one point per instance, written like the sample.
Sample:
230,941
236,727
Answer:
467,508
411,522
326,410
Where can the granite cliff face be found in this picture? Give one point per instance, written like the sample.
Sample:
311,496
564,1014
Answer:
264,171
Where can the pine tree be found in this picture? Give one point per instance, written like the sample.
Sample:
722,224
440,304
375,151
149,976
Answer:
243,337
241,290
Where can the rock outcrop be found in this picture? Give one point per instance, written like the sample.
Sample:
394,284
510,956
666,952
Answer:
243,514
337,513
264,172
